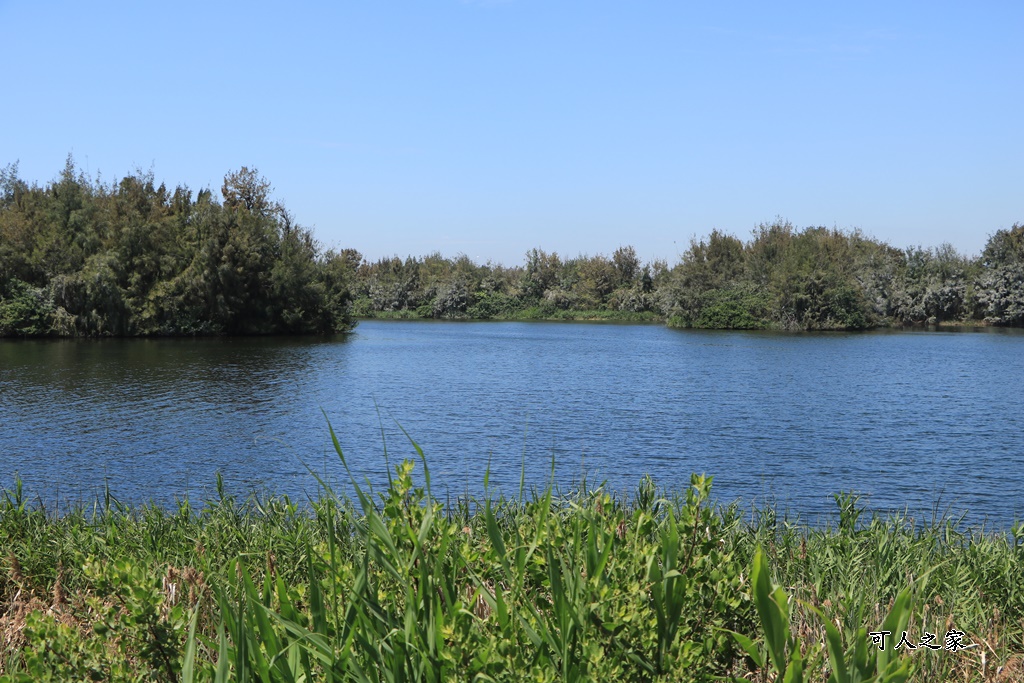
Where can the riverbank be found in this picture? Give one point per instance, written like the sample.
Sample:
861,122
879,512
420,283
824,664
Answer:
543,314
532,314
584,586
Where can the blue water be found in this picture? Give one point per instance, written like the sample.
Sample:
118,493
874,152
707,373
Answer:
920,421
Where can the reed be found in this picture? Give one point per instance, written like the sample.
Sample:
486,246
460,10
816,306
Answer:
396,586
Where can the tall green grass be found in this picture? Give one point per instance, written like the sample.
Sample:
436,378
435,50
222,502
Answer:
396,586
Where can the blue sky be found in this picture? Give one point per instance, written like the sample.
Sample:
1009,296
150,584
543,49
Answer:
491,127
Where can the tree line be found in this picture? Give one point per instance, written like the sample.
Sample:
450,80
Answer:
814,278
81,258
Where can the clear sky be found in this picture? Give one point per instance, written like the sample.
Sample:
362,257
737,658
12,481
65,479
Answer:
490,127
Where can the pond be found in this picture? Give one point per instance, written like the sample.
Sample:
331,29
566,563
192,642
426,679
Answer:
927,422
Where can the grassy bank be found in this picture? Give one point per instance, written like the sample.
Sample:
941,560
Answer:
533,313
577,587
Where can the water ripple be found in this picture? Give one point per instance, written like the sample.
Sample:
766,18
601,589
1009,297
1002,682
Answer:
916,421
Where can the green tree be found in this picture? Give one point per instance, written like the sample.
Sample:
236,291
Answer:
934,286
247,189
1001,282
707,267
540,273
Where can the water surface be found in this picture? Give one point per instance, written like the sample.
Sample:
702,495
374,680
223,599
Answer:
919,420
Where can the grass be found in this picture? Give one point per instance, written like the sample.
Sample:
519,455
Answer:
533,314
653,586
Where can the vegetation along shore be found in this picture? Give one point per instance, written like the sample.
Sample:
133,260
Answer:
79,257
397,585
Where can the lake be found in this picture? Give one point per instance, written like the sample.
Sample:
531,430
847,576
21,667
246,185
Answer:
924,421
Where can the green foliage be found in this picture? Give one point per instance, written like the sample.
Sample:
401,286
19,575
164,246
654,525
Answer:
581,586
733,309
852,661
1004,247
825,304
24,311
490,304
783,278
78,257
546,288
1001,283
934,287
134,630
60,652
785,657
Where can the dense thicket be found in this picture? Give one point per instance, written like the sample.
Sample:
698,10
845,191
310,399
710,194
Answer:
782,278
545,286
79,257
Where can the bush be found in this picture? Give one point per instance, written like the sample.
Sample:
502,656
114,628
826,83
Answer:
25,311
733,309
